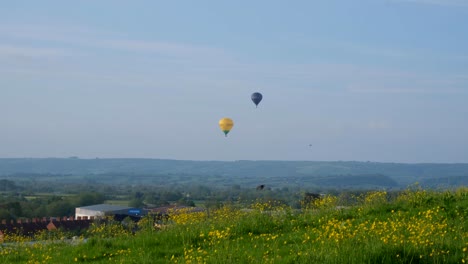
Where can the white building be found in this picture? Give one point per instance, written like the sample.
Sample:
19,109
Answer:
102,210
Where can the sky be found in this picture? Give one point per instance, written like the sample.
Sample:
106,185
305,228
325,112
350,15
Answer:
364,80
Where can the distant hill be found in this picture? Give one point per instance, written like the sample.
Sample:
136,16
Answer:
340,174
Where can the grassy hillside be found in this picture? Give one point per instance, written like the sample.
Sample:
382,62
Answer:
414,226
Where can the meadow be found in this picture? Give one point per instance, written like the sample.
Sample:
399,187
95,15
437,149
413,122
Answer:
411,226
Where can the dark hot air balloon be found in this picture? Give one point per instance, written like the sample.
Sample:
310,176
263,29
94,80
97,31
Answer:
256,98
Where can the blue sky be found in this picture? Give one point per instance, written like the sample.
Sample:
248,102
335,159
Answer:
368,80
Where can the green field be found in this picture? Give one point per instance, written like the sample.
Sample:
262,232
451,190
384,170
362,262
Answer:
415,226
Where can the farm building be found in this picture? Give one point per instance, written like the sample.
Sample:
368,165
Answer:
30,227
102,210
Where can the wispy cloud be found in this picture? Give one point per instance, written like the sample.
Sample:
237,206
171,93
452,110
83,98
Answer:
383,89
34,52
154,62
396,81
167,48
454,3
82,37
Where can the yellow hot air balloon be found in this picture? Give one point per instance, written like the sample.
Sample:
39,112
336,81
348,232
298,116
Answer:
226,124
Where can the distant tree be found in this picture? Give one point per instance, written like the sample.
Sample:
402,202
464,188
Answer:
54,198
60,208
186,201
199,191
170,195
151,198
7,186
89,198
13,208
139,195
135,202
40,211
5,214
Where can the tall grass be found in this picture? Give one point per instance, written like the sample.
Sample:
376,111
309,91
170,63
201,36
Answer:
415,226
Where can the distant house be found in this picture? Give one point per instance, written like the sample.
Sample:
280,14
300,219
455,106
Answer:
103,210
22,227
69,224
30,227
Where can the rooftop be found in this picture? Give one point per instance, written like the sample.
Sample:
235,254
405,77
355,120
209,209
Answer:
105,207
